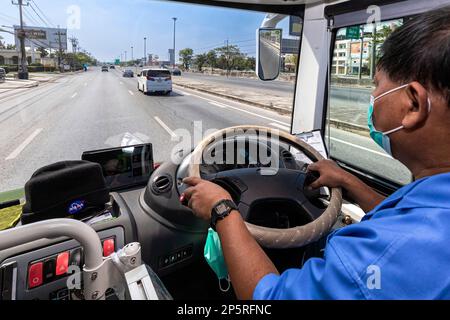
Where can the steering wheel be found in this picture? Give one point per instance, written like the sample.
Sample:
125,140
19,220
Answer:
284,184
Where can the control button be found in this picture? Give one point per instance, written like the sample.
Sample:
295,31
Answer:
62,263
35,278
108,247
49,269
76,257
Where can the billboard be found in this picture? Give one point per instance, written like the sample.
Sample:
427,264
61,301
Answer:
48,38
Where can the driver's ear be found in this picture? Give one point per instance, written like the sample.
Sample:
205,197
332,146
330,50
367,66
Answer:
417,107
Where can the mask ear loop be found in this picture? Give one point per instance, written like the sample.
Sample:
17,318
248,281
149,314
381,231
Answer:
227,279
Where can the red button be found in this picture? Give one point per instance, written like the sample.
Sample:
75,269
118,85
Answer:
62,263
35,277
108,247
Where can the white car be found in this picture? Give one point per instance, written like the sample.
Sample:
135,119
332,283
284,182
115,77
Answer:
155,80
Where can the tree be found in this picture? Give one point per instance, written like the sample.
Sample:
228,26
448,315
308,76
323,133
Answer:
186,56
11,47
211,59
43,52
200,61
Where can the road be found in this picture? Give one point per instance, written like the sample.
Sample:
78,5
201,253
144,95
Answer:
93,110
349,104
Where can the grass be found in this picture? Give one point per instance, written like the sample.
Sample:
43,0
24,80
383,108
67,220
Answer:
12,195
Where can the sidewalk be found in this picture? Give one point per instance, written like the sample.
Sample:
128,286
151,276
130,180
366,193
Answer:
259,98
12,83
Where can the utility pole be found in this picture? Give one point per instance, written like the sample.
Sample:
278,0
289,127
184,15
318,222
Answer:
74,42
174,54
60,50
361,53
126,58
132,54
145,52
228,57
23,71
374,51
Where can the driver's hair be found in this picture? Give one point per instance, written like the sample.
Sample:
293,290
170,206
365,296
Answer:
420,51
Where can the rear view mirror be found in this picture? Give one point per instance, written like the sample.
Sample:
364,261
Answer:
269,53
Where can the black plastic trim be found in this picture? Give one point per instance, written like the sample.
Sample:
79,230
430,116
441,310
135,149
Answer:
354,5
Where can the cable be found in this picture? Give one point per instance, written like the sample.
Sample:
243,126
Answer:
46,24
30,18
43,14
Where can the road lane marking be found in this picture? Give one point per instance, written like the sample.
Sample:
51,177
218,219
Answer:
220,105
85,84
245,111
74,95
121,82
165,127
23,145
362,148
280,126
131,92
184,93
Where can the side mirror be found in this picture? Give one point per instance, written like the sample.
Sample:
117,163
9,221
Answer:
268,53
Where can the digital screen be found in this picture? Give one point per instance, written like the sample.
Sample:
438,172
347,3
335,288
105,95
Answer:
124,166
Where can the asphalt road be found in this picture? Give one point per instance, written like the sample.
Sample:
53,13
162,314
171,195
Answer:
93,110
347,103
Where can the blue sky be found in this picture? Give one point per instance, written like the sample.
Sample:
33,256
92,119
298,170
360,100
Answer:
109,27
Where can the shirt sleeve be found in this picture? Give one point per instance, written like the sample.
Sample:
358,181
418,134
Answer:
324,279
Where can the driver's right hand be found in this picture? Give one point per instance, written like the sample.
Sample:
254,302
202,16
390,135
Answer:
331,175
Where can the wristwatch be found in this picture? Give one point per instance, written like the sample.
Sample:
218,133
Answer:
221,210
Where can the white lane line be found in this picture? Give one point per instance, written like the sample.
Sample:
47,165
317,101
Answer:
85,84
362,148
23,145
131,92
245,111
184,93
165,127
74,95
223,106
279,126
121,82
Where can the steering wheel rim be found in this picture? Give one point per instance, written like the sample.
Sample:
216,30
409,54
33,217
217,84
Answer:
273,237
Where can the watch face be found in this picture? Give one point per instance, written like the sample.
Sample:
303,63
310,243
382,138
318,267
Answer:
221,209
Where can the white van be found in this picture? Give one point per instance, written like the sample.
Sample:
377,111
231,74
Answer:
155,80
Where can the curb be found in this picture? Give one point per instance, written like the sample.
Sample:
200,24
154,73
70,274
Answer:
256,104
346,126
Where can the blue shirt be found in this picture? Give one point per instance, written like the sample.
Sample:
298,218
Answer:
400,250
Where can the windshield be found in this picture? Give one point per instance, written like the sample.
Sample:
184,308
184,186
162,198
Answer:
77,98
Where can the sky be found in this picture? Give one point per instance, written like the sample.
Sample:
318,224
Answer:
108,28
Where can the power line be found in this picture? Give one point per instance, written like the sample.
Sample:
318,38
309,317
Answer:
38,15
30,18
43,14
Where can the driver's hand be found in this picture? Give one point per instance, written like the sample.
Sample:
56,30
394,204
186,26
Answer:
331,175
202,195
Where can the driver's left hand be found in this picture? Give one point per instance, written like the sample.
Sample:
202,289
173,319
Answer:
202,195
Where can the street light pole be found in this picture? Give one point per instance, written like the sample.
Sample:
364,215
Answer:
145,51
132,54
174,29
126,62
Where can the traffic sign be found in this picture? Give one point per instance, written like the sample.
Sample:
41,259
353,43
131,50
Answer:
353,33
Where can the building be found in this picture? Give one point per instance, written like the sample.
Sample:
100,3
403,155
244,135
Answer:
11,57
347,54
